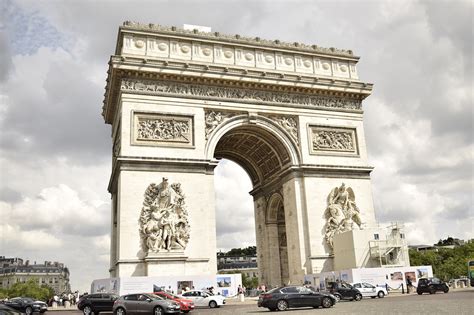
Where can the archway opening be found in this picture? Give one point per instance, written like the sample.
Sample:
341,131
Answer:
263,157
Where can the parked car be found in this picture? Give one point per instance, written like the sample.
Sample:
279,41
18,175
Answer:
185,304
283,298
204,298
145,304
431,286
344,291
369,290
7,310
95,303
26,305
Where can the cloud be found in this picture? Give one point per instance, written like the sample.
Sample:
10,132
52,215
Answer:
234,206
55,148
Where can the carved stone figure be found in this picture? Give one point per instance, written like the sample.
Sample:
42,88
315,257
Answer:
341,212
214,119
237,94
289,124
164,220
333,140
163,129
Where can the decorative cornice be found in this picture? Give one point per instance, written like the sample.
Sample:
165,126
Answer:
237,39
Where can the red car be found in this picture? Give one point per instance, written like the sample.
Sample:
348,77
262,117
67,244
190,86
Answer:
186,305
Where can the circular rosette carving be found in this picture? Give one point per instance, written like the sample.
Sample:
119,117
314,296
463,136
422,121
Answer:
163,220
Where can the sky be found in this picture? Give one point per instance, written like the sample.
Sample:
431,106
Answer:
55,149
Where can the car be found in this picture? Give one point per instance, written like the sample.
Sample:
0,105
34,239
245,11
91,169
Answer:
95,303
344,291
186,305
431,286
283,298
144,303
369,290
26,305
6,310
204,298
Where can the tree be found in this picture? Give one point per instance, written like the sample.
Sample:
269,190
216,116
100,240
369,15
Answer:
447,263
30,289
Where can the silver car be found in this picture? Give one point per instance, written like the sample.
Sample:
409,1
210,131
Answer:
143,303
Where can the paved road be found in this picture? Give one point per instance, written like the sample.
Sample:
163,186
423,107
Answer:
452,303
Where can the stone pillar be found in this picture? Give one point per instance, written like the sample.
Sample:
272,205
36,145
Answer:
293,196
274,269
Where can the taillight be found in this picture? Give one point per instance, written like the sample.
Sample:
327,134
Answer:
266,296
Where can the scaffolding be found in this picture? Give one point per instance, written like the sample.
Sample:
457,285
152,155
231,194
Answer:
390,252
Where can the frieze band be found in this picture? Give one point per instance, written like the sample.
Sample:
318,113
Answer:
237,94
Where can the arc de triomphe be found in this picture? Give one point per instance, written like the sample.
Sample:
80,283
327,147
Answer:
289,114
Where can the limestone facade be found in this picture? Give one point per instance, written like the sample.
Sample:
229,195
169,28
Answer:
289,114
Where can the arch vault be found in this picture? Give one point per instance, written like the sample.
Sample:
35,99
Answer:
290,115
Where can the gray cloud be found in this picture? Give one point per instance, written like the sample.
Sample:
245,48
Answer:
418,122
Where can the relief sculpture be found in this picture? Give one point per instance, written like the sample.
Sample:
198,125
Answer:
341,212
214,119
163,129
163,221
333,140
289,124
238,94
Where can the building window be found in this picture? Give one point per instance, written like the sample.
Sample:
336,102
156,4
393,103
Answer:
402,235
376,237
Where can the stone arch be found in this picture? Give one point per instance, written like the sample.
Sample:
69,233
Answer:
259,145
274,202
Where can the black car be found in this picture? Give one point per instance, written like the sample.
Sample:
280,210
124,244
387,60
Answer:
431,286
98,302
6,310
283,298
26,305
344,291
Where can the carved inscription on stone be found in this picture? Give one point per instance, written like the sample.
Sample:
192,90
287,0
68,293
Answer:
333,140
237,94
163,220
162,129
289,123
214,119
341,212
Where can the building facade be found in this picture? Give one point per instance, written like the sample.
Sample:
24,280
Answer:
16,270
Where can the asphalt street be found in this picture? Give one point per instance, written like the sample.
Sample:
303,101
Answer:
440,303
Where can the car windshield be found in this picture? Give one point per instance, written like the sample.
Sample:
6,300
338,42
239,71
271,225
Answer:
28,300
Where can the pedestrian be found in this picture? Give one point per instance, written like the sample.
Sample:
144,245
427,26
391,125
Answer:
409,284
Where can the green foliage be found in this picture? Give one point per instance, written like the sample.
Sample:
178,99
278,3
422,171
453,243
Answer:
28,289
249,282
447,263
247,251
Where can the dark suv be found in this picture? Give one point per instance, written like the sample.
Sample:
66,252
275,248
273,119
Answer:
431,286
344,291
98,302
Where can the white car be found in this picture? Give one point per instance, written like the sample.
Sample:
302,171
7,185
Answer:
204,298
368,289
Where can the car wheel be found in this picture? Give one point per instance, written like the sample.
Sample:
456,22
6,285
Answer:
381,294
358,297
446,290
282,305
87,310
326,302
120,311
158,311
28,311
338,297
212,304
432,291
419,292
